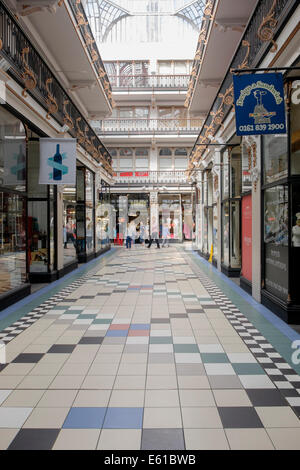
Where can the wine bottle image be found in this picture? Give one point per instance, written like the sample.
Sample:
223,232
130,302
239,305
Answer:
57,174
21,165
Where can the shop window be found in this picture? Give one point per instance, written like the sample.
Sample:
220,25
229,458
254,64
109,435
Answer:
34,189
274,157
225,175
235,174
276,241
295,138
246,167
89,208
215,231
37,236
225,233
69,224
235,252
12,241
276,215
12,152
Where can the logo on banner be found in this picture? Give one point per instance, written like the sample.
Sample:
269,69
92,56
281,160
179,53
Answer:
56,163
259,104
59,155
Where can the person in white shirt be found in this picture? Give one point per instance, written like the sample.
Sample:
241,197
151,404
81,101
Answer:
130,235
165,235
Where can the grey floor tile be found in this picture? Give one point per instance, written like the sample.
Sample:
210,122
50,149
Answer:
162,439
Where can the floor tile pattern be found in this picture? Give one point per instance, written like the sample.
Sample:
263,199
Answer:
145,353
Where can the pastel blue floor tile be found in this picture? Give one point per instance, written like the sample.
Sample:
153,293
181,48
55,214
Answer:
85,418
140,326
214,358
117,333
123,418
186,348
248,369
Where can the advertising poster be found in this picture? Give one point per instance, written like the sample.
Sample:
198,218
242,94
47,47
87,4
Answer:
57,161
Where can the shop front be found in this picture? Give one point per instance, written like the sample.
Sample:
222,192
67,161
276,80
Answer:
41,219
134,207
281,216
105,219
231,211
170,216
13,207
85,214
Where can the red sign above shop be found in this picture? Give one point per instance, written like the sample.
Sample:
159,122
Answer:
126,173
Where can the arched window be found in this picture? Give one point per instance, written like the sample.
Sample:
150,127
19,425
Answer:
165,152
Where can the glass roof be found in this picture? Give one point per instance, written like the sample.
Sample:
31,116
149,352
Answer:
193,12
103,15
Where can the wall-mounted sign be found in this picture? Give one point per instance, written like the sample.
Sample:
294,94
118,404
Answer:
259,104
57,161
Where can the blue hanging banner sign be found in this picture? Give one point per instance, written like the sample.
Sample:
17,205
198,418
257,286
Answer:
259,104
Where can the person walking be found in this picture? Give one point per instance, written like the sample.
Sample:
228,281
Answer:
130,234
154,237
165,235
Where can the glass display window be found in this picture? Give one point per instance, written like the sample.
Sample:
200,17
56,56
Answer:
235,251
89,208
215,231
225,233
295,138
225,175
276,215
12,241
246,168
275,157
235,173
69,224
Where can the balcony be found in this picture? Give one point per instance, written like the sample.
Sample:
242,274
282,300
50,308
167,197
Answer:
26,67
150,177
133,126
148,82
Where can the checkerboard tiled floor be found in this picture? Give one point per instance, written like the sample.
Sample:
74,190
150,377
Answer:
146,353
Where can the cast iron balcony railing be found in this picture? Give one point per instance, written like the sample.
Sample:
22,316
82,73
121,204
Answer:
147,126
147,177
129,82
27,68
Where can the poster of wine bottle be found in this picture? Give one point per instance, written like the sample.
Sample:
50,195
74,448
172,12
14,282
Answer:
57,161
14,162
